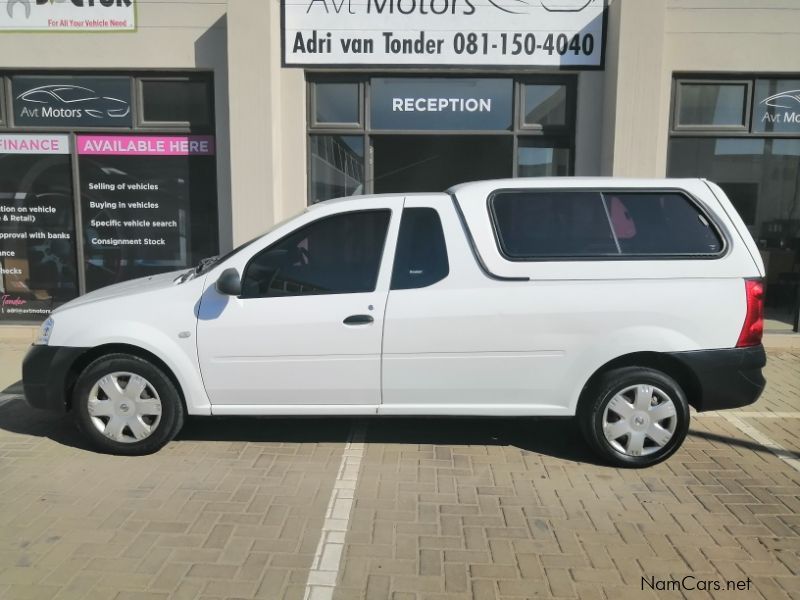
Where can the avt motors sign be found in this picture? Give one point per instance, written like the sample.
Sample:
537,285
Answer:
550,33
777,107
68,15
65,101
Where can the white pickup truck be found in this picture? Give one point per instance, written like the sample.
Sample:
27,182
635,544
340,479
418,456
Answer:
621,302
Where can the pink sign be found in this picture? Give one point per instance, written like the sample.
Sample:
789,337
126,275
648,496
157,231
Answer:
146,145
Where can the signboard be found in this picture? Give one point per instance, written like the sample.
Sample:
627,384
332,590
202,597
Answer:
395,33
150,145
441,104
37,229
34,144
64,101
777,106
68,15
148,204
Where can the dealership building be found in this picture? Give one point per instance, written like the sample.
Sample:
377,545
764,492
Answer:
139,136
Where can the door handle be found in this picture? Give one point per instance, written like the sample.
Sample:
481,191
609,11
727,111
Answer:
358,320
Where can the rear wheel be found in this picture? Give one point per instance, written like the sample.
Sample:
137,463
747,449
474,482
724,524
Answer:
126,405
635,416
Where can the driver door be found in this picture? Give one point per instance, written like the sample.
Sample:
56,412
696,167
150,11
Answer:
307,328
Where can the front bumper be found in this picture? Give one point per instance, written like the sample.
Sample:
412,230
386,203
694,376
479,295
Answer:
45,372
727,378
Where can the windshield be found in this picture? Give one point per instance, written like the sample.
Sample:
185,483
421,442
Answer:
207,264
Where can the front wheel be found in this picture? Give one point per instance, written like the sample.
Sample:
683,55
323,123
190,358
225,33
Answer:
126,405
635,416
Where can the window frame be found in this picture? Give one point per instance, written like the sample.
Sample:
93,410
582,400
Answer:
134,75
4,93
308,225
720,133
312,106
560,136
570,85
141,123
556,142
679,82
719,229
717,130
366,159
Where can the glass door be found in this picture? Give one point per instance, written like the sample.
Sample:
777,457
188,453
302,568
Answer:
433,163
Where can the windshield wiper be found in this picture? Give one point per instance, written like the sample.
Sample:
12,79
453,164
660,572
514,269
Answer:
201,268
205,264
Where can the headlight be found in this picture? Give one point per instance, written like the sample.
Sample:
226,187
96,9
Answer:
44,333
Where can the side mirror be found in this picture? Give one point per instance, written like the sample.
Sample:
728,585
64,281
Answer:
229,283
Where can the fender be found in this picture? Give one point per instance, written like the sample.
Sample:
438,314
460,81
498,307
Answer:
180,355
625,341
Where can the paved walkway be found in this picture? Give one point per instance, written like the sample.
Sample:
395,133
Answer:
402,509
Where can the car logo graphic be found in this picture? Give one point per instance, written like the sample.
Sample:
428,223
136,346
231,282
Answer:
76,95
25,3
565,5
789,96
520,7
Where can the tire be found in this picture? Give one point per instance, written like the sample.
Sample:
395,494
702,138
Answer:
129,424
652,412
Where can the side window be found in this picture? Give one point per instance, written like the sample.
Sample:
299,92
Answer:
421,257
340,254
655,223
551,224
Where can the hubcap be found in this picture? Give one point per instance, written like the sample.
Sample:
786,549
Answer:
124,407
639,420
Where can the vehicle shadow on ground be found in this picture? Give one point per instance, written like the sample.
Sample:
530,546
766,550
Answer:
746,443
17,417
558,438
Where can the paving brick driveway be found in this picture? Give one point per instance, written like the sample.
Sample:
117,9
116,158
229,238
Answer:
437,509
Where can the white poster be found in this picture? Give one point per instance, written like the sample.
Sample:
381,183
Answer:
508,33
68,15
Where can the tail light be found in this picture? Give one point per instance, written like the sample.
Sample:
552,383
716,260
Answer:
753,327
